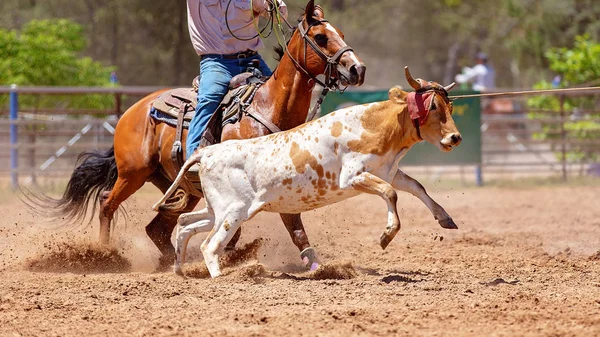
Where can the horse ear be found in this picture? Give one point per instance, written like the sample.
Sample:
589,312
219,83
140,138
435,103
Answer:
319,13
397,95
309,12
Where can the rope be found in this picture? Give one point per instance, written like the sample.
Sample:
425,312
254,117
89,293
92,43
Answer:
259,32
527,92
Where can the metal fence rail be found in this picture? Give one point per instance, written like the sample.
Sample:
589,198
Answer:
515,142
29,131
46,142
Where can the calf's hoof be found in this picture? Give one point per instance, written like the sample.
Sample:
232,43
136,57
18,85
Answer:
177,269
384,240
388,235
448,223
310,259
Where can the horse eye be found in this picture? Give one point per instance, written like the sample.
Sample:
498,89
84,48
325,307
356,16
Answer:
321,39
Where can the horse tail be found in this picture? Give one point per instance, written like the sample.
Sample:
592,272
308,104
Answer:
96,173
181,198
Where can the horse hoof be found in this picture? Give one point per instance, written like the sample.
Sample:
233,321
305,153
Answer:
310,259
164,264
448,224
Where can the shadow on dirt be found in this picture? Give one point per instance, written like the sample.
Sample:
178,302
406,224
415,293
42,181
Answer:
399,278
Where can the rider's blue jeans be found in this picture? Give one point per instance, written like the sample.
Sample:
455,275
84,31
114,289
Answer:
215,74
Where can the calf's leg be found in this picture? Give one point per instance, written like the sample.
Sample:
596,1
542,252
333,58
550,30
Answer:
220,235
190,224
404,182
369,183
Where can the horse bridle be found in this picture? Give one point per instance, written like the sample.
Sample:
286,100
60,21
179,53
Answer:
331,83
332,62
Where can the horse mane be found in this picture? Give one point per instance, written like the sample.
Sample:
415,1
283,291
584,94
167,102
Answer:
279,48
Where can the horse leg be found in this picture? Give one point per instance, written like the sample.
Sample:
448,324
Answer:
160,229
293,224
123,189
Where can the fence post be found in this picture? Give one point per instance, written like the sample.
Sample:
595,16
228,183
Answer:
118,105
478,175
14,115
563,138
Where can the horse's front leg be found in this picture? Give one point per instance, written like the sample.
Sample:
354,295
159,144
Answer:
293,224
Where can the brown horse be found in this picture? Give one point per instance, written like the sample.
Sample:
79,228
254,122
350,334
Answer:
142,146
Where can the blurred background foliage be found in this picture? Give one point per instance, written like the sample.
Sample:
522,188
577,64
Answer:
576,66
49,52
148,44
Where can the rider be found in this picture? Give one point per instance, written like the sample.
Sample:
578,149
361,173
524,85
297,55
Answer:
224,35
482,75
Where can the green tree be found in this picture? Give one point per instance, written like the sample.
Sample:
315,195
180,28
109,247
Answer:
149,43
47,52
576,66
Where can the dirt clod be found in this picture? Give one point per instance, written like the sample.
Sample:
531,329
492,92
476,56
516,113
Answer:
78,258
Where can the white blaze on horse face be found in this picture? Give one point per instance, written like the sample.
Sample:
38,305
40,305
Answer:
350,53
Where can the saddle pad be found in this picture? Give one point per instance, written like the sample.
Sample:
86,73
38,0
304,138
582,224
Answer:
170,102
166,118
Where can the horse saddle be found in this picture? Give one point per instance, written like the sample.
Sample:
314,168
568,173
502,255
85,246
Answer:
177,107
176,101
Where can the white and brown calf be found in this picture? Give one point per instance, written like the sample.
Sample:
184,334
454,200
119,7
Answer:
348,152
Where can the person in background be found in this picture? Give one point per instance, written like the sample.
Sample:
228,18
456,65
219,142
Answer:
223,33
482,75
113,78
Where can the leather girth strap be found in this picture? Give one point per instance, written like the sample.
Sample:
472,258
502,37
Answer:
177,149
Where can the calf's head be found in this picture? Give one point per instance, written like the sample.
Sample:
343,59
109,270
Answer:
430,110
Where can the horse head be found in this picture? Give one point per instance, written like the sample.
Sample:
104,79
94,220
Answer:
322,49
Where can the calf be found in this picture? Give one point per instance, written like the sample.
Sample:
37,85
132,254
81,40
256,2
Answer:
348,152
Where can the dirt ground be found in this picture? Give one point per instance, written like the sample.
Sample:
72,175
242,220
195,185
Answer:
525,262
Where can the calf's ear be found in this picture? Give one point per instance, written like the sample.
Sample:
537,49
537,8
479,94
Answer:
397,95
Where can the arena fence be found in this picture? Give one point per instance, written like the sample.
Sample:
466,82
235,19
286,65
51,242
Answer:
501,137
45,142
505,137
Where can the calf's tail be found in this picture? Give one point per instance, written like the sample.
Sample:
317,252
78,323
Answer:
194,158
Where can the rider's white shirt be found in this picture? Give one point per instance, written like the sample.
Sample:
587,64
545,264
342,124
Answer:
482,76
208,27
